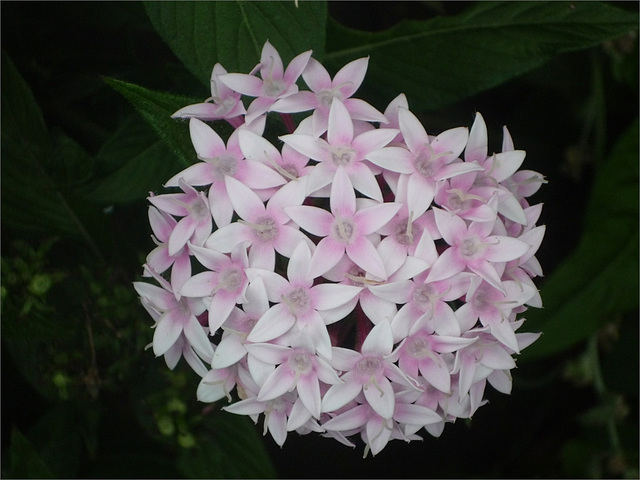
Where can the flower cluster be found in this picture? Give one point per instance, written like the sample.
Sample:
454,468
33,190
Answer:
355,276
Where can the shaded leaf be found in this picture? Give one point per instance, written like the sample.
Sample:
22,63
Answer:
25,460
133,465
156,108
233,451
144,163
58,437
233,33
600,279
445,59
39,175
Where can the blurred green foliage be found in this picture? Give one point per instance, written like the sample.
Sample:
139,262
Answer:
87,90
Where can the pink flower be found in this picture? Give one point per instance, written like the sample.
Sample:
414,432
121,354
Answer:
159,258
224,283
419,355
173,318
424,161
277,413
276,82
217,384
298,367
376,430
218,162
428,303
473,247
264,229
345,229
224,103
290,164
193,207
370,372
299,303
493,307
343,150
361,280
324,91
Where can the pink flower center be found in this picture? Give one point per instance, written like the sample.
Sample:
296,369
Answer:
342,156
325,98
369,366
418,348
184,310
231,279
273,88
423,164
343,230
300,363
469,247
423,297
404,231
265,228
224,165
199,209
291,170
369,369
297,300
458,200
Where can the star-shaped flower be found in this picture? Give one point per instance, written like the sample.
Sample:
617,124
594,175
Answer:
345,229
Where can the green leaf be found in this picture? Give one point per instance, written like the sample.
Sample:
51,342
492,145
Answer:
445,59
40,175
58,436
156,108
25,460
600,279
233,451
143,163
233,33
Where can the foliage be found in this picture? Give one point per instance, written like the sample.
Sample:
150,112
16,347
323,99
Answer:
87,133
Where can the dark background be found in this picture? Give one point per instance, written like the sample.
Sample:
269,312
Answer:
63,49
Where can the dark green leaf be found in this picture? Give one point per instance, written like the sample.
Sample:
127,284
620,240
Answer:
156,108
134,465
25,460
39,176
144,163
600,279
233,33
233,451
445,59
58,437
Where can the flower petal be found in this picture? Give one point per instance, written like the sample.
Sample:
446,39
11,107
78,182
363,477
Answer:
332,295
275,322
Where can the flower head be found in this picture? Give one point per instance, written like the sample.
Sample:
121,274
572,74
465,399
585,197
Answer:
355,277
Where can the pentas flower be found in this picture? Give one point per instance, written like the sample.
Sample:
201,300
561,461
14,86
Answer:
344,229
174,316
223,103
299,303
473,247
289,163
324,90
369,371
193,207
263,228
223,284
298,367
342,271
342,149
423,162
276,82
220,160
159,259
